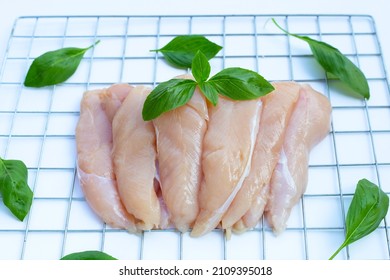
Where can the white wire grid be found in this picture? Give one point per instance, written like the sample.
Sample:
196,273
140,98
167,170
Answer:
37,126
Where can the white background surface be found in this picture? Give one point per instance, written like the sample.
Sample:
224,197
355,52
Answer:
10,10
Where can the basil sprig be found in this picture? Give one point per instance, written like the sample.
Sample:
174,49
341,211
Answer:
55,67
88,255
181,50
368,208
235,83
335,63
17,195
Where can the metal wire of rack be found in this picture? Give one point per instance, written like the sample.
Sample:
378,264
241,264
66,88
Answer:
37,126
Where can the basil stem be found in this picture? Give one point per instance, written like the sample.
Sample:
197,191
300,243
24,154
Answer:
16,193
335,63
55,67
368,208
182,49
88,255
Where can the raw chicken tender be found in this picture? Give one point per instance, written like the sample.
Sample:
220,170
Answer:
276,112
198,166
94,163
227,151
180,134
309,124
134,157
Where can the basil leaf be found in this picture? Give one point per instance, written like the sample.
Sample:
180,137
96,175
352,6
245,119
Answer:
54,67
167,96
182,49
337,64
240,84
88,255
210,92
368,208
17,195
200,67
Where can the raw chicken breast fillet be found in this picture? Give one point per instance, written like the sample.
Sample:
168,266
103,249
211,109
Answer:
180,134
134,157
227,151
277,108
309,124
94,162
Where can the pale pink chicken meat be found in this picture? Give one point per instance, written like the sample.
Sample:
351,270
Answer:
94,162
198,166
227,151
134,157
277,108
309,124
180,134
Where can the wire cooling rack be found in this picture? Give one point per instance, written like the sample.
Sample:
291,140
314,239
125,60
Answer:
38,125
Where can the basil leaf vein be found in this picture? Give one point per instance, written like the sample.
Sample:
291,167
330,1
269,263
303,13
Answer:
55,67
88,255
181,50
17,195
335,63
368,208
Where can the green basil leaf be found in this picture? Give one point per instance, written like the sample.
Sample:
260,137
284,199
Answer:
167,96
88,255
210,92
17,195
200,67
368,208
337,64
54,67
240,84
182,49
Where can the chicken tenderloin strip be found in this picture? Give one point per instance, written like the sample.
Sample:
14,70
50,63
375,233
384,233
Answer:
134,157
226,159
309,124
277,108
94,163
180,134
